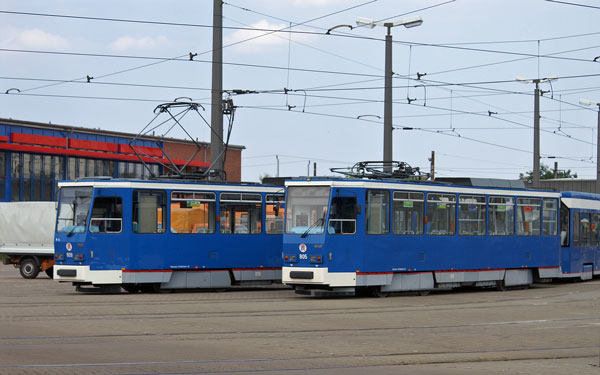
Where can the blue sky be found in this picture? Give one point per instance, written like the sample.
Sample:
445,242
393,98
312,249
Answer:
470,50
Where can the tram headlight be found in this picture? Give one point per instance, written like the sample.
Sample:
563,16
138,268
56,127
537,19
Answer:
316,259
290,258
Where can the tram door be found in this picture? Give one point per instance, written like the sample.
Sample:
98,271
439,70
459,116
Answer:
565,238
106,228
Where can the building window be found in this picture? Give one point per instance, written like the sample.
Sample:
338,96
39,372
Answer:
193,212
471,215
2,175
550,217
528,216
501,216
240,213
274,213
35,177
378,212
137,170
441,214
149,211
408,212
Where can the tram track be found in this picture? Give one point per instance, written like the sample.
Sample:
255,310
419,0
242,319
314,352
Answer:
314,363
275,312
289,332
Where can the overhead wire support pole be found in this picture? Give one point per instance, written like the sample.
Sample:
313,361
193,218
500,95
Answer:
387,93
216,113
536,127
589,103
387,106
536,135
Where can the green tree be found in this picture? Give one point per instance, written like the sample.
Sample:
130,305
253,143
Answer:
546,173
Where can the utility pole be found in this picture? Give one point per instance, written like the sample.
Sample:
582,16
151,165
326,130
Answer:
387,102
277,157
216,112
315,169
536,126
536,135
555,169
588,103
432,160
387,93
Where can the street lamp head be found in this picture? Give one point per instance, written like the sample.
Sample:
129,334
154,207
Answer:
362,21
588,103
410,22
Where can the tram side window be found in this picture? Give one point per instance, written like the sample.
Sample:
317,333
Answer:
107,215
576,237
193,212
378,212
585,229
274,213
408,212
501,216
564,225
149,211
240,213
549,217
595,228
528,216
441,214
471,215
342,217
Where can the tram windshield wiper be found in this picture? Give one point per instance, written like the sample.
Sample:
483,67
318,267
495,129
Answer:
319,221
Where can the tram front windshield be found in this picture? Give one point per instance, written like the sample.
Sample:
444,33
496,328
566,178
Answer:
73,209
306,209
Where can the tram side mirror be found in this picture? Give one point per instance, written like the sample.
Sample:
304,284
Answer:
357,209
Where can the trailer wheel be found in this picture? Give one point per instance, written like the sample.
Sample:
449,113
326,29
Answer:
29,268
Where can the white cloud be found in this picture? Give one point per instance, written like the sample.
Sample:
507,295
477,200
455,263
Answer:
125,43
33,38
259,39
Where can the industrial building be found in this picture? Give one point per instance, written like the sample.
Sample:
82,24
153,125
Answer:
35,156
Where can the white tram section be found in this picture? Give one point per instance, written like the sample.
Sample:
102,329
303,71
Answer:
421,281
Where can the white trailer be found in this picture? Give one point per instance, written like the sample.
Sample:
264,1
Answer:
27,236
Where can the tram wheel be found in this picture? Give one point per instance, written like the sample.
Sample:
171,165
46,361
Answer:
424,292
131,288
500,286
376,291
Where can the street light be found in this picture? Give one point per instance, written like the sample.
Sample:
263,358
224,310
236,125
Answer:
590,103
387,100
536,126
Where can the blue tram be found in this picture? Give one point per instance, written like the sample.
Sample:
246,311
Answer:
152,235
385,236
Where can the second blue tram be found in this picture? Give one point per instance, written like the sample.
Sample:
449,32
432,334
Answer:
153,235
385,236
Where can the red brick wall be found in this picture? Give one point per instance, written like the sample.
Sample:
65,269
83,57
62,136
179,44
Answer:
182,151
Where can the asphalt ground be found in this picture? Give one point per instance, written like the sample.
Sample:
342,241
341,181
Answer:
48,328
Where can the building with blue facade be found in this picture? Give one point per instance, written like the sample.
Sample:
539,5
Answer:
35,156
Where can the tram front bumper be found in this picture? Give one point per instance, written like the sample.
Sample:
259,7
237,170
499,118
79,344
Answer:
83,274
317,276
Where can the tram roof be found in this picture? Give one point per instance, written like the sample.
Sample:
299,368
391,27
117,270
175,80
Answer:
420,186
171,185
